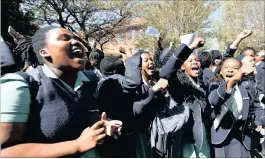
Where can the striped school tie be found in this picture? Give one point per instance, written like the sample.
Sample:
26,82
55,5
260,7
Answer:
234,107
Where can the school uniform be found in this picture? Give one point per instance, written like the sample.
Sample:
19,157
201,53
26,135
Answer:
116,95
54,112
194,136
260,78
207,75
231,120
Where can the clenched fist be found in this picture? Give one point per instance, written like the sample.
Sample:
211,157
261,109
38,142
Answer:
197,43
160,85
245,33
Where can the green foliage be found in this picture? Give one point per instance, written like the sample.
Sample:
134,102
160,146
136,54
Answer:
240,15
11,14
175,18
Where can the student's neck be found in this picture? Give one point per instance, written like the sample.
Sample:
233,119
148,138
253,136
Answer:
146,78
69,77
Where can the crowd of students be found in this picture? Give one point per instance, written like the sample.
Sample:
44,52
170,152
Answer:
71,101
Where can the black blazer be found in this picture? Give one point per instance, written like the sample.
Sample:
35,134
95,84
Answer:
260,77
218,98
196,99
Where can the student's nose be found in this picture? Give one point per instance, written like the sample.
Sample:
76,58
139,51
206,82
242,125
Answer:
74,41
230,70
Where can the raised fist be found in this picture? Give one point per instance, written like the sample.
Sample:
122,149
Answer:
197,43
160,85
247,69
245,34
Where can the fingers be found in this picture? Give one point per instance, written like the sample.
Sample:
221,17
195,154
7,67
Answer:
100,137
119,130
104,116
115,123
97,125
99,131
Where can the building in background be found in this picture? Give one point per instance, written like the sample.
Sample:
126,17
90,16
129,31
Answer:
126,34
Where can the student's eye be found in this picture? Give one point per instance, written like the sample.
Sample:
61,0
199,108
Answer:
65,37
76,38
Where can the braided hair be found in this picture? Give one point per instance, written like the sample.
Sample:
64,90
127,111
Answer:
27,50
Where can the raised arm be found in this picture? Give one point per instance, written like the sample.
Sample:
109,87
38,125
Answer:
178,58
220,93
231,49
133,77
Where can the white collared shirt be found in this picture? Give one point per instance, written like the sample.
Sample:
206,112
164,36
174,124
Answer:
79,80
239,100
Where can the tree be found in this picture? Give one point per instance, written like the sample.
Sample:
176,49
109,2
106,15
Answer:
89,18
240,15
11,14
175,18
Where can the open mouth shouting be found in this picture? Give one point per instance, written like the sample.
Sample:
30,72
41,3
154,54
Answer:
77,52
151,68
229,76
195,69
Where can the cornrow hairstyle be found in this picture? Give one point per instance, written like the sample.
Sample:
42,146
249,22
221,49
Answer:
27,51
248,48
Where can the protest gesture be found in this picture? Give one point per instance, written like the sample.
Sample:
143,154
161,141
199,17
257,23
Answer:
245,33
244,71
197,43
160,85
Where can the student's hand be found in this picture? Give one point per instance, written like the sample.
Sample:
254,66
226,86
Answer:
238,76
247,69
90,137
160,85
122,50
112,127
197,43
245,33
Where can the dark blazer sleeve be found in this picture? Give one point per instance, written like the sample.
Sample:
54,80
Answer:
140,106
207,76
133,77
229,52
175,61
260,78
258,111
218,94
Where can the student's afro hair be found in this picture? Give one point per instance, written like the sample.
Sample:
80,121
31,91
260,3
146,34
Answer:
205,59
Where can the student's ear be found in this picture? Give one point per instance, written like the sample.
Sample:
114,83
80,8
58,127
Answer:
182,68
44,52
